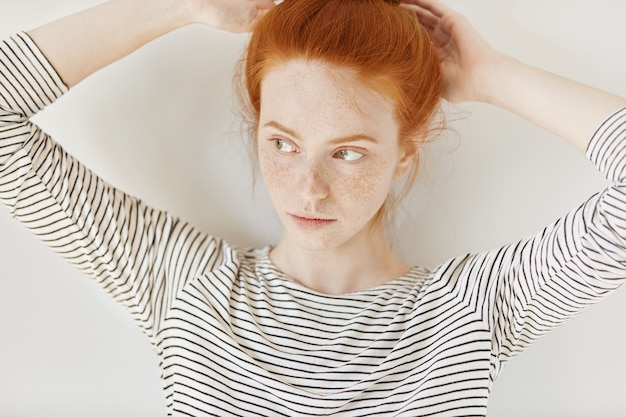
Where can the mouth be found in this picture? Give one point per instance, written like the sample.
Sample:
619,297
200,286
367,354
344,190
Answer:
311,222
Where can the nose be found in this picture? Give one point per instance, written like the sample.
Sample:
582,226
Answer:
313,182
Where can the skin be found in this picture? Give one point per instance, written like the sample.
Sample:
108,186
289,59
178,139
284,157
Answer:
328,149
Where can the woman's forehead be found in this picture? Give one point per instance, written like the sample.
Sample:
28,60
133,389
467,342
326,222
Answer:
319,90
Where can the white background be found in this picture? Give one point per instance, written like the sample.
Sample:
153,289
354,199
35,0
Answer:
160,124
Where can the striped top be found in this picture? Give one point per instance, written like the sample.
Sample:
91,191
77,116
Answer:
234,336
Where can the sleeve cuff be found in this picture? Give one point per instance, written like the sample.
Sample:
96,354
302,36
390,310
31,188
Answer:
607,148
33,83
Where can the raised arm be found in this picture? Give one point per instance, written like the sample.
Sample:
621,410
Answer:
80,44
139,254
474,71
531,286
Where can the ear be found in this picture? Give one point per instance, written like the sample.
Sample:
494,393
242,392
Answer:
408,157
405,163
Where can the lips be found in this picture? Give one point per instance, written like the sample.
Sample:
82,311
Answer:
311,222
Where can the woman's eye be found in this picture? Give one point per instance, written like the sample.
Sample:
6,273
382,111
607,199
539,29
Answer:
284,146
348,155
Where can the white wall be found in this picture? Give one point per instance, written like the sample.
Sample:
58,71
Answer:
68,350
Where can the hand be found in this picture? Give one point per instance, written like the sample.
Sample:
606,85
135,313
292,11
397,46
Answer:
230,15
474,71
465,56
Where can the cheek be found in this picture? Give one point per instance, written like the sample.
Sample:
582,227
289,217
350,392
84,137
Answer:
276,177
367,191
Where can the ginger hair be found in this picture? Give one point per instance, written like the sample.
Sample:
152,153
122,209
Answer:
379,41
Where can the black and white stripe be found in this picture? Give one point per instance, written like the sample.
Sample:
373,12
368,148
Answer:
236,337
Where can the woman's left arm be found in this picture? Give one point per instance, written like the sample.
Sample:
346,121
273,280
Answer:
474,71
538,283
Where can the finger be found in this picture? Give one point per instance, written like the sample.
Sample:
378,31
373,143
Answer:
264,4
425,17
259,14
436,7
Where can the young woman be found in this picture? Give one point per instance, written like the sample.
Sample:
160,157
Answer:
329,321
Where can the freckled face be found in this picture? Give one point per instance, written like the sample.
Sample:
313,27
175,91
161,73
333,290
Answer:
328,152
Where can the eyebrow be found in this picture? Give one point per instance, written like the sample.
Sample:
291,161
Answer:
343,139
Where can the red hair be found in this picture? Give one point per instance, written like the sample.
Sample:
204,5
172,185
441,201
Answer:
383,44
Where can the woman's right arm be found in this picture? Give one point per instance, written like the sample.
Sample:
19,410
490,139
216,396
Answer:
138,254
81,44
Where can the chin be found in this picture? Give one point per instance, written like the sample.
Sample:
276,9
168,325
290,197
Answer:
321,242
317,245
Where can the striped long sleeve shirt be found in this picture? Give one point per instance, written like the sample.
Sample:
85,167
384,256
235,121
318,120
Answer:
235,336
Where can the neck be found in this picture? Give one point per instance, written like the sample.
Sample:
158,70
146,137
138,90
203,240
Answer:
356,265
